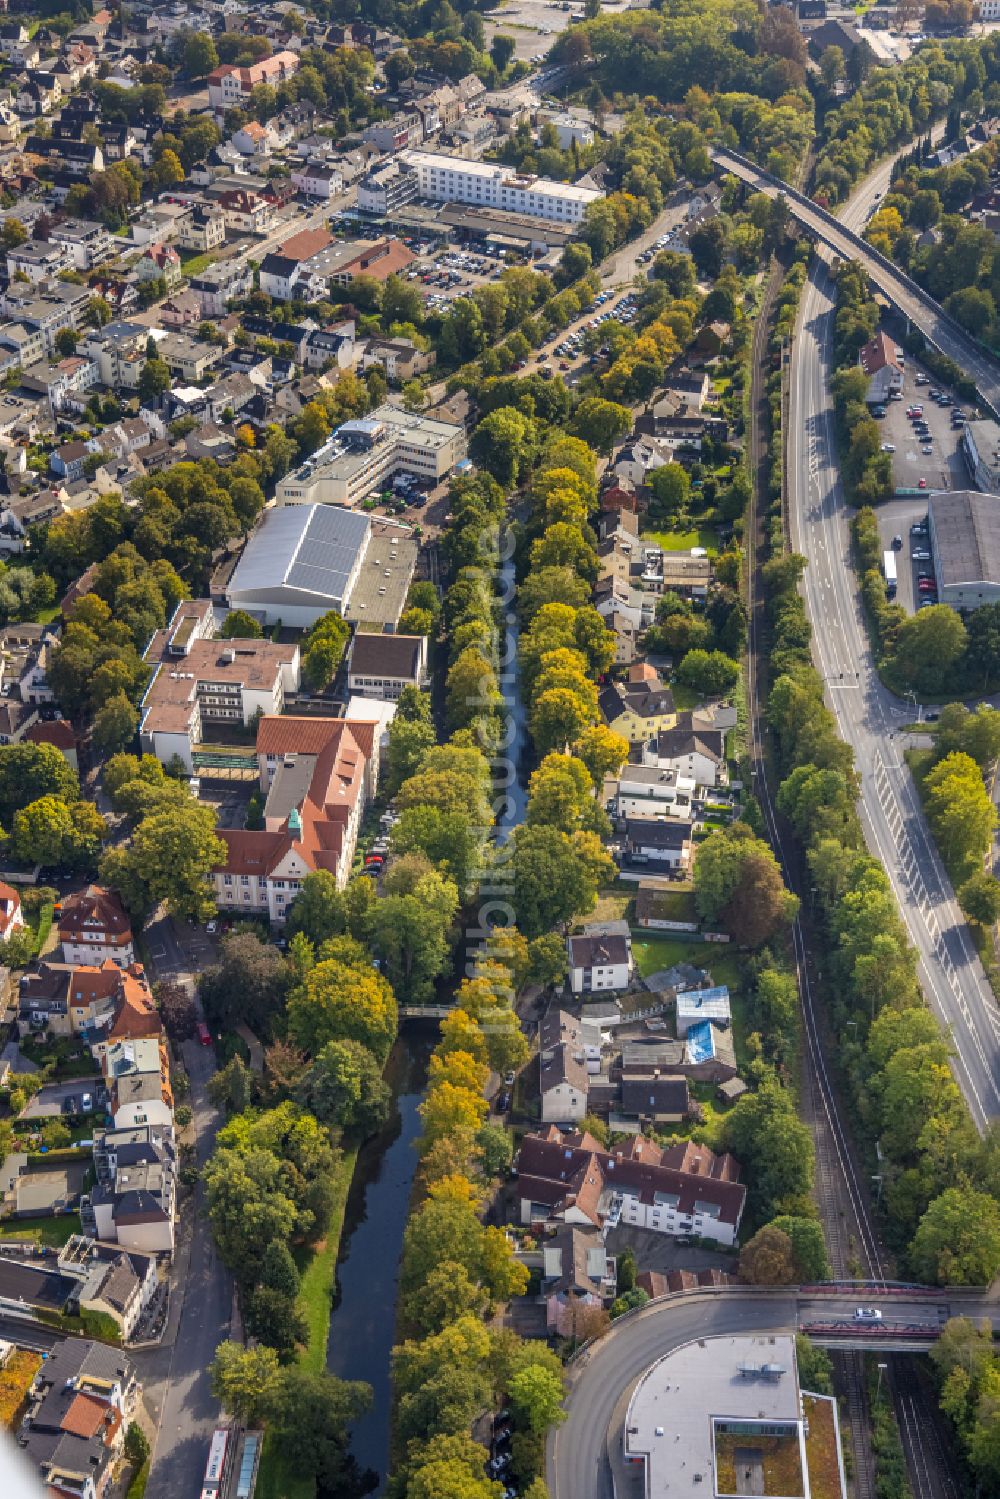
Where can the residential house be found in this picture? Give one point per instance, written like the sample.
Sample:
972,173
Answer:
695,1006
219,284
650,1098
334,345
245,212
563,1073
198,681
88,242
577,1274
637,711
649,791
399,357
59,733
11,915
68,461
667,845
230,87
706,1054
133,1203
679,1190
253,139
318,775
698,754
686,573
137,1077
316,179
182,310
382,665
39,260
203,230
281,270
883,362
94,927
109,1280
159,263
600,960
712,339
79,1406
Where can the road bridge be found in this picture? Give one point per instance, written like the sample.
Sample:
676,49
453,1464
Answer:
603,1371
940,330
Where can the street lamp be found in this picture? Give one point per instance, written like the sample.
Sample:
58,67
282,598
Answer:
882,1369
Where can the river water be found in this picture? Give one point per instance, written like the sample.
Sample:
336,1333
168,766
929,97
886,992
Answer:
363,1324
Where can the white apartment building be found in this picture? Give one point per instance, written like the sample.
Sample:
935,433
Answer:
452,179
88,242
361,454
230,86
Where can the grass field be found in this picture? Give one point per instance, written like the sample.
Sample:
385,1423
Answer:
653,953
196,264
683,541
317,1271
51,1231
277,1478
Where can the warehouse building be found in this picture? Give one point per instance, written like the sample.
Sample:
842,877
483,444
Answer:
965,545
304,560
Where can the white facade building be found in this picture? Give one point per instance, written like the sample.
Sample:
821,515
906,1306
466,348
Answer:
451,179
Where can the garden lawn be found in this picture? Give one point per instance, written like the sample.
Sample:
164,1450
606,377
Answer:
683,541
317,1270
51,1231
197,264
277,1478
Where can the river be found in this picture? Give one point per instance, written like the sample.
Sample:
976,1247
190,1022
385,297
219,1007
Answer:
363,1324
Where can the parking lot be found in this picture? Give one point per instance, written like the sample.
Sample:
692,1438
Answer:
896,519
924,462
564,351
54,1099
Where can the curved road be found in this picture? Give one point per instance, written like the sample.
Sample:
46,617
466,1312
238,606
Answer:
578,1466
842,237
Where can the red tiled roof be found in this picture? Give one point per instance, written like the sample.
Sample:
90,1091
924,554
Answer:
137,1014
305,244
59,732
572,1170
95,909
85,1415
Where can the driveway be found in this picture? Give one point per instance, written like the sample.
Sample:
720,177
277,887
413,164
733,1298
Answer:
175,1375
662,1253
48,1101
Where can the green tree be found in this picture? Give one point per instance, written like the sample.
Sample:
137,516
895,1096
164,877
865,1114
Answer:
340,1003
601,423
671,486
536,1395
199,55
808,1247
115,725
30,771
979,898
708,672
279,1271
737,881
154,381
502,50
318,910
313,1414
928,646
957,1242
245,1380
767,1259
773,1145
169,859
552,883
344,1089
501,444
239,625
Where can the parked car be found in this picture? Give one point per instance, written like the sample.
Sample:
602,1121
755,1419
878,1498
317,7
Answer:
921,555
897,543
921,482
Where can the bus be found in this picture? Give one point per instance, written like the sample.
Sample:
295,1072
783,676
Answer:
221,1456
889,568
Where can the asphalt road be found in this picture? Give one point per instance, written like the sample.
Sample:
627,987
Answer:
577,1457
869,716
175,1375
844,239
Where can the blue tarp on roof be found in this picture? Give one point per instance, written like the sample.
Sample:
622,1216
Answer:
701,1042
